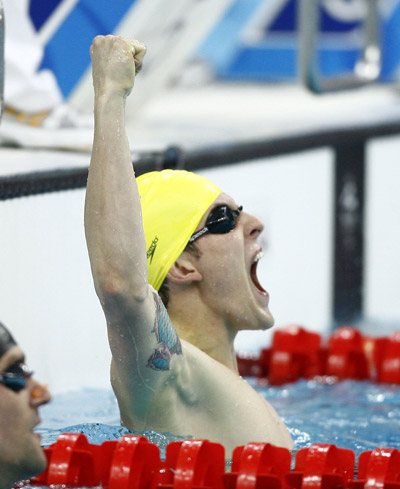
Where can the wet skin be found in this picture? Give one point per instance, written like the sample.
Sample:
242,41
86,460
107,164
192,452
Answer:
225,265
21,455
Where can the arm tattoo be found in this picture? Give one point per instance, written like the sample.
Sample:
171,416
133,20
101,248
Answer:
167,339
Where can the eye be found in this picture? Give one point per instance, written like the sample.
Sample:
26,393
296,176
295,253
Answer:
216,214
18,368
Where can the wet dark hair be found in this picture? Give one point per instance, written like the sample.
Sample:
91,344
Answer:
164,289
6,340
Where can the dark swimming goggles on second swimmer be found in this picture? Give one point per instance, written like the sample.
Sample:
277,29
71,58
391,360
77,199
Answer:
221,220
16,376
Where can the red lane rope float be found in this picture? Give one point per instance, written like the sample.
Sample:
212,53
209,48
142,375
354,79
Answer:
378,468
134,463
346,358
70,462
388,359
193,464
322,466
258,465
296,353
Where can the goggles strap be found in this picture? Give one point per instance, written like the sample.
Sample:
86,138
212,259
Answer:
198,234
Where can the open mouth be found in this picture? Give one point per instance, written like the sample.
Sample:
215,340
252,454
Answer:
253,272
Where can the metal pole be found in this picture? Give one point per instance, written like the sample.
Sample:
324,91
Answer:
1,58
368,66
349,232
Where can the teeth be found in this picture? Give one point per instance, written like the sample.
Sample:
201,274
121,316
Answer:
258,257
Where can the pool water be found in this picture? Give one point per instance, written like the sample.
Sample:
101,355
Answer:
356,415
350,414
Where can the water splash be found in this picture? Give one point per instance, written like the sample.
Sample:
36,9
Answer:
349,414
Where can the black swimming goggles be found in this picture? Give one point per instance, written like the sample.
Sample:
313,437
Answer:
16,376
221,220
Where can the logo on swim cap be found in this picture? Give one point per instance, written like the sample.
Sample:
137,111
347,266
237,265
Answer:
152,249
173,203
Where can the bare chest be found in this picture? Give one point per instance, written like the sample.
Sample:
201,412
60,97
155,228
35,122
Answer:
231,412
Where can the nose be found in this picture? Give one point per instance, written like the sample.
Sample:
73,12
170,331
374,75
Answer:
39,393
253,227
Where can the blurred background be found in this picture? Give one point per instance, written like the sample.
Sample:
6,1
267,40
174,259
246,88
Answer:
290,106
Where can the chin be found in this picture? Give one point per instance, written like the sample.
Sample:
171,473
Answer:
267,326
268,321
36,462
35,467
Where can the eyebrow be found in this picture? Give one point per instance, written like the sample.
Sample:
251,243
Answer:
20,358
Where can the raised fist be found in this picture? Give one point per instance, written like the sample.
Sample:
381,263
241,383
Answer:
115,62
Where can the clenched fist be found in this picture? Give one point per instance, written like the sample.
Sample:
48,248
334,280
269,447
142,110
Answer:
115,62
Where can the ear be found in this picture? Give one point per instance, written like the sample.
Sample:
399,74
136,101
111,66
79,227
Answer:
184,271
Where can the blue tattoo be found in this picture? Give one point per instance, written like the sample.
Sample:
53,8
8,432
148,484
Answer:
168,342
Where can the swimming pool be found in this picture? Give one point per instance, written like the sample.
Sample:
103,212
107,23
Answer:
350,414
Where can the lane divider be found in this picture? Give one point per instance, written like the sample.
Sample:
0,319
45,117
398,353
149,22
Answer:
296,353
132,462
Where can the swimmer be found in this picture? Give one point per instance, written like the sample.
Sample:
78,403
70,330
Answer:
21,455
174,264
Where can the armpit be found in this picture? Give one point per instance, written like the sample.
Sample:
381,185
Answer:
168,342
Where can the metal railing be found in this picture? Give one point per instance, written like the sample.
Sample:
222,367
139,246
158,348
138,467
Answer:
348,145
367,68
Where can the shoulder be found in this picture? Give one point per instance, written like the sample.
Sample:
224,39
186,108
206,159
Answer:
205,373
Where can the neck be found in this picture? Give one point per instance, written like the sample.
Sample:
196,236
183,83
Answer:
208,332
226,356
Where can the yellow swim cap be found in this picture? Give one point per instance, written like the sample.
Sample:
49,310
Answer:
173,203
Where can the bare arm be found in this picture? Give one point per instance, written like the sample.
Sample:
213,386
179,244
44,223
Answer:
114,233
113,221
